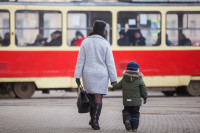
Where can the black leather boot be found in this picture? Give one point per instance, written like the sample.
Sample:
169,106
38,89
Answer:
96,114
91,114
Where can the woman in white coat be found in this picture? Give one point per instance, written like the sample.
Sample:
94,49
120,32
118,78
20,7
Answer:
96,64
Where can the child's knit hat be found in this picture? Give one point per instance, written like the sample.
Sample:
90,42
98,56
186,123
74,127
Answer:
133,66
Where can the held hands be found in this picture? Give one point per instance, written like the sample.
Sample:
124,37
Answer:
78,81
145,100
113,82
112,89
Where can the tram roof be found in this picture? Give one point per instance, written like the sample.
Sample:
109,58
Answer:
85,3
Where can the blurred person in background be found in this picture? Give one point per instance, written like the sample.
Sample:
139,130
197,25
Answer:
158,42
183,41
131,33
78,39
123,39
6,40
56,39
40,41
139,39
1,40
96,64
168,42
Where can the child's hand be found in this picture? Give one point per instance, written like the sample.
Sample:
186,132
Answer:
113,82
145,100
113,85
112,89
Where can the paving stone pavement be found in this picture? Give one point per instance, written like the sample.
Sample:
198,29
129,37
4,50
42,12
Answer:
59,115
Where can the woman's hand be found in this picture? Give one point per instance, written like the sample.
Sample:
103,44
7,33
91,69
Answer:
78,81
113,82
112,89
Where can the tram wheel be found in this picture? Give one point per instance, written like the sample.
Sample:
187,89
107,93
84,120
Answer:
168,93
24,90
193,88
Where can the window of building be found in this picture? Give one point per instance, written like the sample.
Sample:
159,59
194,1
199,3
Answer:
185,28
139,28
38,28
80,24
4,28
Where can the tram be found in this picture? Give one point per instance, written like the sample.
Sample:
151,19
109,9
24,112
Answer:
38,49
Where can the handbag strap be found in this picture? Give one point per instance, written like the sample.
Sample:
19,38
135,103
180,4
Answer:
80,89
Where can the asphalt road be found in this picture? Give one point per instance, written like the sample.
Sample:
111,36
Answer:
57,113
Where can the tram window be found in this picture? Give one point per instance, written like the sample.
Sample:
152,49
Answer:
183,28
138,28
80,24
4,28
38,28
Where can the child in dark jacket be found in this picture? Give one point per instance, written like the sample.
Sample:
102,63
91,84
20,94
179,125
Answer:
134,89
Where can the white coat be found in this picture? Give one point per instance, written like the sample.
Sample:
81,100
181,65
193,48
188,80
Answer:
96,63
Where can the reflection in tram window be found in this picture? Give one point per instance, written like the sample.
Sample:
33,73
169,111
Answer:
141,28
36,28
183,28
80,24
4,28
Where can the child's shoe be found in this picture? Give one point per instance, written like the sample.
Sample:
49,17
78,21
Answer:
127,125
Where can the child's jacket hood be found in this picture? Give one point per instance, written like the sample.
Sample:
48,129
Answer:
130,76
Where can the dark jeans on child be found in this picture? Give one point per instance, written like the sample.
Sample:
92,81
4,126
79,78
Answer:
132,113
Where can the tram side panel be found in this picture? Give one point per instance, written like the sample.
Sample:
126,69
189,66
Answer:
165,70
162,68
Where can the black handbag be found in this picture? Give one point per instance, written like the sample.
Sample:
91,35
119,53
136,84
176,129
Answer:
83,101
